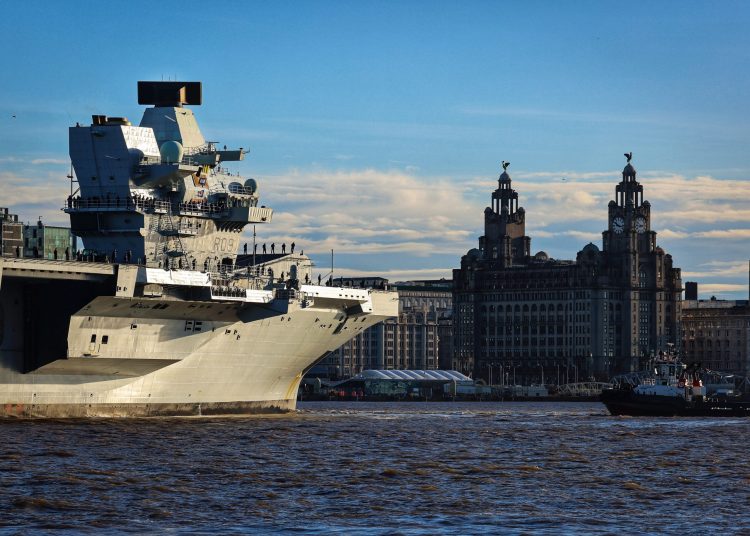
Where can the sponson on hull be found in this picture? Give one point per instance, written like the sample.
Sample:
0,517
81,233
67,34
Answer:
154,317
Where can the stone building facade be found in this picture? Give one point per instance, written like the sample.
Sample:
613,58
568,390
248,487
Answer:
409,342
716,333
543,318
413,341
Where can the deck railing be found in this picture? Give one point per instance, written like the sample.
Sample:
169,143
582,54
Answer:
147,204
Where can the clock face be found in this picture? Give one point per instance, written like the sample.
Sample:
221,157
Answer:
618,224
640,224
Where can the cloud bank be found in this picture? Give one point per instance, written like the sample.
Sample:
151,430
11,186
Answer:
403,225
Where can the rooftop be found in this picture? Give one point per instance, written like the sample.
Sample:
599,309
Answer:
412,375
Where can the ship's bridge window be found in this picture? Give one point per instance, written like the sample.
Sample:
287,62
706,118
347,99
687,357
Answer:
105,339
93,338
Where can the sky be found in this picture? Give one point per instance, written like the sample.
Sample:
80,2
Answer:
377,128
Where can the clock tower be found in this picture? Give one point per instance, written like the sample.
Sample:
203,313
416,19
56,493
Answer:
629,216
648,286
604,313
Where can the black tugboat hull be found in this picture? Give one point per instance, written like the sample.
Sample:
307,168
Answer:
628,403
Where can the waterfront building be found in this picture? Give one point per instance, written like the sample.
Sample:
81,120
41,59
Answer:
436,297
409,341
360,282
542,320
716,333
413,340
49,242
11,234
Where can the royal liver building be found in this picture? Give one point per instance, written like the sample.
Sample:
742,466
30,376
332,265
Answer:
545,320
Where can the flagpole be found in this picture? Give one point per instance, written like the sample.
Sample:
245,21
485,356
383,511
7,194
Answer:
255,268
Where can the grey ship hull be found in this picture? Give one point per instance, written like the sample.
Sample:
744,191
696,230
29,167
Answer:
166,357
179,328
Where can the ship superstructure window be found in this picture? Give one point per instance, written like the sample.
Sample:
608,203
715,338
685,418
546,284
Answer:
105,339
194,325
93,338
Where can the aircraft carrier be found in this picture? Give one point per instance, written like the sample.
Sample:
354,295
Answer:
154,317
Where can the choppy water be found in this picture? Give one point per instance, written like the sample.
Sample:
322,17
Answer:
353,468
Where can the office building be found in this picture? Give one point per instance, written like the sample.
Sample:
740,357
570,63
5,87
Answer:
605,312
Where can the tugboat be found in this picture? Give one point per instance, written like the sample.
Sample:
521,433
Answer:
673,388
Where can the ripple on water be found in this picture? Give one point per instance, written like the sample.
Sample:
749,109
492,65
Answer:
413,468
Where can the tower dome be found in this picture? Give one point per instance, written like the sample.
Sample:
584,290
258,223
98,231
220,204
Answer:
629,170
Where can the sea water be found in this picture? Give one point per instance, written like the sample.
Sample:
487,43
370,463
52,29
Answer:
380,468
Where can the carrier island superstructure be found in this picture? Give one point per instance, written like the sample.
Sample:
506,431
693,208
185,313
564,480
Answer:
155,317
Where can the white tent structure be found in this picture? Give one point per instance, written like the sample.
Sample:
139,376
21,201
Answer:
413,375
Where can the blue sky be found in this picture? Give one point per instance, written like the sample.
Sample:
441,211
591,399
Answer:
377,128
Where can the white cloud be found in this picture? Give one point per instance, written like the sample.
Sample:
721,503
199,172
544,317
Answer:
392,219
58,161
718,269
31,198
55,161
733,234
399,274
723,290
397,215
